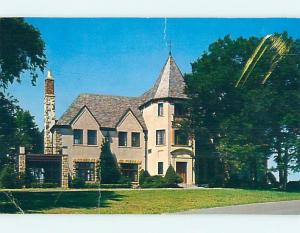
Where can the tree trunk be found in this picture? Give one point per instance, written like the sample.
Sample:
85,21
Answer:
285,168
280,167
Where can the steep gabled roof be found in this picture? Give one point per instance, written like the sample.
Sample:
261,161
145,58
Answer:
170,83
106,109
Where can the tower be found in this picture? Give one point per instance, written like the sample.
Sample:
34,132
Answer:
49,113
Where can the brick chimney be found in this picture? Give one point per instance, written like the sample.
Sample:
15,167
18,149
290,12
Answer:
49,113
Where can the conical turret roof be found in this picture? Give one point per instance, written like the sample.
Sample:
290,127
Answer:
170,83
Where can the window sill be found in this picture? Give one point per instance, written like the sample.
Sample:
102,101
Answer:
160,145
93,145
180,145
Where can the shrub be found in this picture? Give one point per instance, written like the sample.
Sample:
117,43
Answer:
172,179
125,185
154,182
124,180
77,182
293,186
9,178
143,175
44,185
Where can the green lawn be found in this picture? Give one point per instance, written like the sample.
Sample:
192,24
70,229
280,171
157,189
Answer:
132,201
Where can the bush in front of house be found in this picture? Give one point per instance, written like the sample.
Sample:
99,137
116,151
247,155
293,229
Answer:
77,182
109,171
44,185
170,180
154,182
143,176
293,186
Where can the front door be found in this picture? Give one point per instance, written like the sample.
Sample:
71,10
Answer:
181,170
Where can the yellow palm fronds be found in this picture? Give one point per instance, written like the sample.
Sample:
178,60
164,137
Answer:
278,45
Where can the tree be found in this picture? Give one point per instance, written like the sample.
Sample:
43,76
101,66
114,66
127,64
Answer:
109,171
8,110
242,127
17,128
21,49
28,135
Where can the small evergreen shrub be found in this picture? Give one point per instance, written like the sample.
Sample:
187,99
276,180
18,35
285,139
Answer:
143,175
77,182
172,179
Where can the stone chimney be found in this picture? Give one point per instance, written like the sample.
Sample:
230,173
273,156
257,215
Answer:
49,113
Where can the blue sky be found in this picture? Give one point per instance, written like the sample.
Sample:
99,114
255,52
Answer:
123,56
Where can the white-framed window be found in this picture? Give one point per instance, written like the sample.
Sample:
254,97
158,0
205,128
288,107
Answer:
160,137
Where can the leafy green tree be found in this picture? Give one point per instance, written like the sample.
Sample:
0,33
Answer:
109,171
21,49
28,134
242,127
8,124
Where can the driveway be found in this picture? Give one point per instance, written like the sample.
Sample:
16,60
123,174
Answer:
274,208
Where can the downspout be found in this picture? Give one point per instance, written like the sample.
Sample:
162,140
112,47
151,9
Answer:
146,149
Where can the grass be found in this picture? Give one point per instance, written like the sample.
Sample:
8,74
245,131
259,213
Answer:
58,201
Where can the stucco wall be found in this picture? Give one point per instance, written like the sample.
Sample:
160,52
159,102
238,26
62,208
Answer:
84,121
129,124
159,153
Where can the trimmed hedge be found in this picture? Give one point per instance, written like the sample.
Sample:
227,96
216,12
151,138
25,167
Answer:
95,185
44,185
293,186
171,180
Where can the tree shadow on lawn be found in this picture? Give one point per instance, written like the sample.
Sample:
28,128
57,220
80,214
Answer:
33,202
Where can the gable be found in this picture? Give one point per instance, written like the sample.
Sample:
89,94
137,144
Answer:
84,119
129,123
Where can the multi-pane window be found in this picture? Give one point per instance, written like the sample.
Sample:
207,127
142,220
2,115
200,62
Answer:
85,170
135,139
180,138
160,137
92,137
178,109
78,136
122,138
160,168
130,171
160,109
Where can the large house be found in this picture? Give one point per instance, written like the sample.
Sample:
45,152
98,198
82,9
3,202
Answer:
143,131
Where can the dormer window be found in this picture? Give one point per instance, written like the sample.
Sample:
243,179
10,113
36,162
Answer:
160,109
